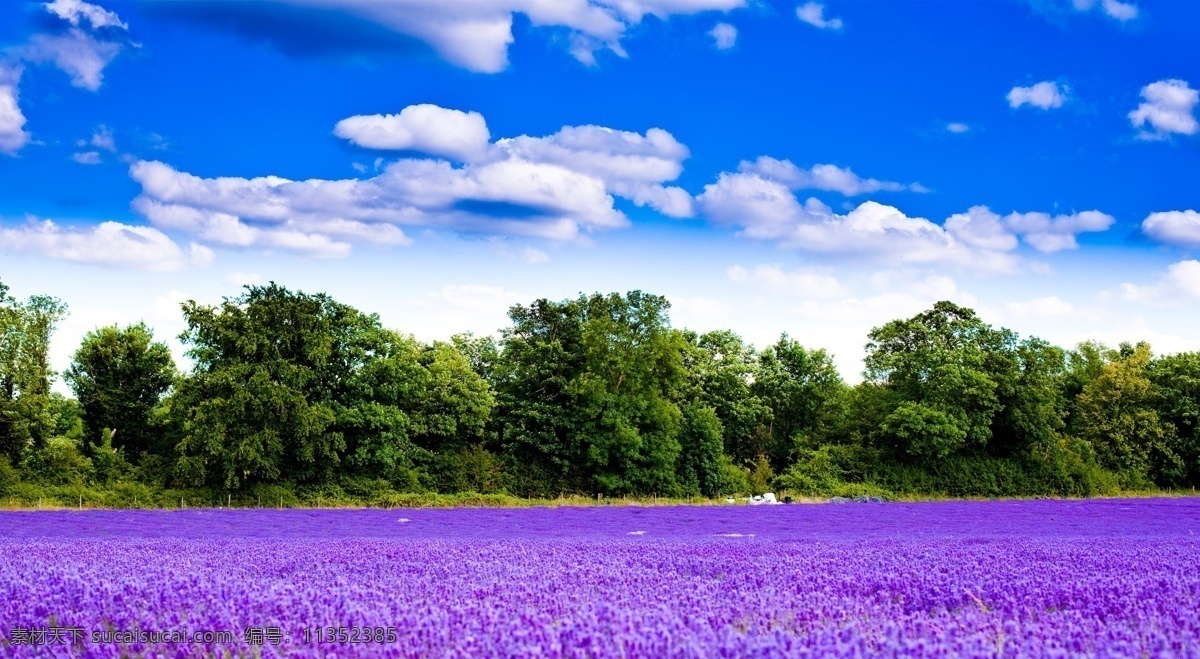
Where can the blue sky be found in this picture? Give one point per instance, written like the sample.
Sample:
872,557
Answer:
815,168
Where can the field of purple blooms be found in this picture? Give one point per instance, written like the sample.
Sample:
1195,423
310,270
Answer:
1003,578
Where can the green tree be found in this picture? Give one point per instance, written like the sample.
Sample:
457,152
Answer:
947,366
721,368
586,390
291,385
1176,379
26,411
699,467
1083,364
805,394
455,402
118,376
1116,415
1033,407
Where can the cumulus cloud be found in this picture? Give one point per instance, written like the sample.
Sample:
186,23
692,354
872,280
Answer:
76,53
476,35
554,187
1180,285
1042,306
760,203
1122,11
83,50
1115,9
957,127
13,135
1167,108
109,244
813,13
427,128
821,177
1052,234
87,158
77,11
984,229
102,139
630,165
724,35
1174,227
1043,95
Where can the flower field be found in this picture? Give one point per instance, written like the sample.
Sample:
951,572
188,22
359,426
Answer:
1005,578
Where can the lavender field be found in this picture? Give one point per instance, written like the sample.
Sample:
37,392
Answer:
1006,578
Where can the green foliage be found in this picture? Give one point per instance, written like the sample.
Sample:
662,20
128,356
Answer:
470,469
815,472
118,376
951,370
761,475
804,393
721,368
291,385
734,479
26,418
108,462
1176,379
586,389
699,467
1116,414
926,432
296,400
455,402
59,462
9,476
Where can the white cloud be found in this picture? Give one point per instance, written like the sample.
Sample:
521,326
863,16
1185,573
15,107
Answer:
103,139
75,11
979,227
1174,227
555,187
109,243
982,228
1122,11
813,13
76,53
1042,306
759,200
1167,108
820,177
427,128
12,122
476,35
725,35
1052,234
1043,95
87,158
767,210
1180,285
956,127
631,165
804,283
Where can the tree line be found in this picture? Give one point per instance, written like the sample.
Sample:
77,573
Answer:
593,395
